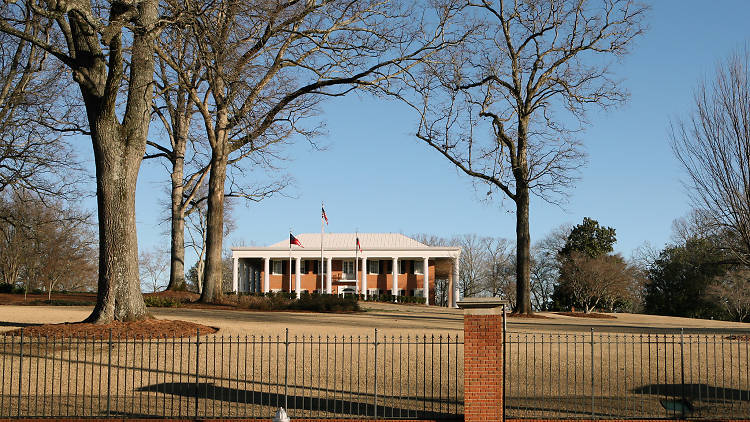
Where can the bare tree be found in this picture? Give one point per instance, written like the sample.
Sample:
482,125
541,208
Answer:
499,267
43,246
32,157
153,265
532,67
266,67
472,265
431,239
175,109
732,292
187,152
71,259
545,266
94,41
596,281
197,229
713,145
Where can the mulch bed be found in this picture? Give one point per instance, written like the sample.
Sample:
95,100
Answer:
587,315
148,328
185,299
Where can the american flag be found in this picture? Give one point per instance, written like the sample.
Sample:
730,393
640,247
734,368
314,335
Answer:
294,241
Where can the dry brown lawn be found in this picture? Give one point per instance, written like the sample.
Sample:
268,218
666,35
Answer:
328,366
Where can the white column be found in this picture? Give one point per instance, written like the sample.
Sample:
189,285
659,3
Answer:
426,282
266,274
298,276
329,275
363,285
235,271
320,284
454,296
394,285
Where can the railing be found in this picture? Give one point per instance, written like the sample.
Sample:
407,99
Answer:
239,376
627,376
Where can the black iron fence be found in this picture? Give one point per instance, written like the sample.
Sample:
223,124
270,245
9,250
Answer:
627,376
384,377
586,375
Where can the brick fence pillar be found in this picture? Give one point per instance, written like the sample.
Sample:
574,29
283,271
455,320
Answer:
483,359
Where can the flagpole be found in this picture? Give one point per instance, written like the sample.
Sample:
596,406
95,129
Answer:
290,260
322,266
356,264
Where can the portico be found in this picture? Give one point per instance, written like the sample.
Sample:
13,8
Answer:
390,263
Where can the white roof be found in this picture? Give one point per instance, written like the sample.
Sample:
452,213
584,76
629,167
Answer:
345,241
341,245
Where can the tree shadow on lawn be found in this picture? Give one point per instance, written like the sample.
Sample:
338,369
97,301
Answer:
19,324
704,392
338,406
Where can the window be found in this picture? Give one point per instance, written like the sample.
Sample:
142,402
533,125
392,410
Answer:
373,266
347,269
419,267
387,266
277,267
311,266
403,266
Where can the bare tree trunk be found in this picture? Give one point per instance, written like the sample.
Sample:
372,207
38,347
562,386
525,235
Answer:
212,286
117,164
523,254
177,250
118,152
199,275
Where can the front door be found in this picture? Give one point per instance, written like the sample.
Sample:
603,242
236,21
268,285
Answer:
347,270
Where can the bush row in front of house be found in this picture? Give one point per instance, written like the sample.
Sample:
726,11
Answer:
282,301
399,299
285,296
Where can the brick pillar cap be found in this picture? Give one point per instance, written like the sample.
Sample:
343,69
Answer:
482,303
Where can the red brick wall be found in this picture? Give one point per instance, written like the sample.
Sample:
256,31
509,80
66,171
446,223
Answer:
310,281
483,368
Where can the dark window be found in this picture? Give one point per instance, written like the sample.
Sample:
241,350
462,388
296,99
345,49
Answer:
387,266
311,266
406,266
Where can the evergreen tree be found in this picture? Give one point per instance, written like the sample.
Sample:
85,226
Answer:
588,239
680,278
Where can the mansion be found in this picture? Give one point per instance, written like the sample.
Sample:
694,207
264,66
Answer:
387,263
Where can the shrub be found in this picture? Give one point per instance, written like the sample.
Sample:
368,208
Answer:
400,299
64,302
162,302
37,291
258,303
282,301
6,288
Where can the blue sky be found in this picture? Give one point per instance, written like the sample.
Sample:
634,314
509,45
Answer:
374,176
